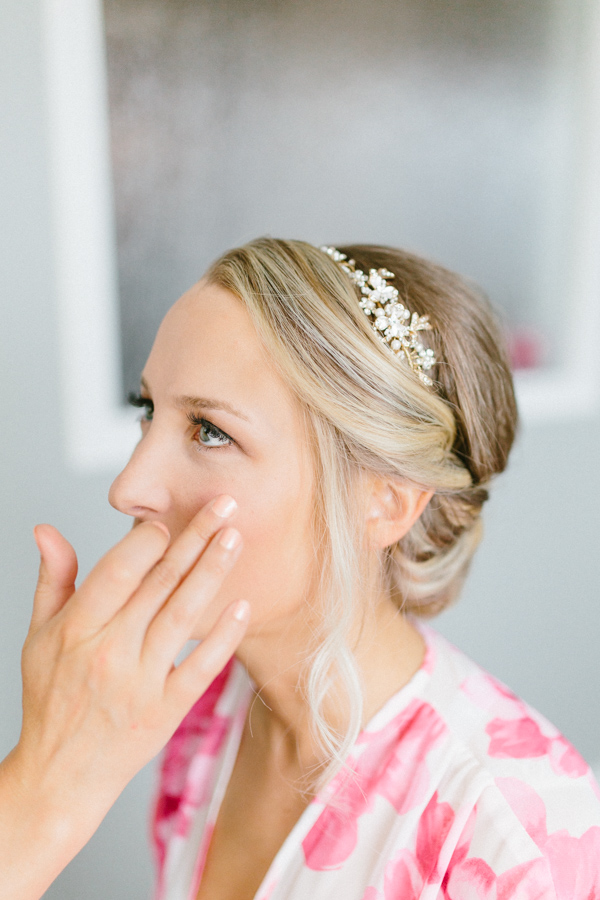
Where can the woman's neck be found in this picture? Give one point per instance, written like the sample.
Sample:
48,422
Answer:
389,650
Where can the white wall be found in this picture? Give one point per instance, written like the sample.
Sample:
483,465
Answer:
36,484
530,612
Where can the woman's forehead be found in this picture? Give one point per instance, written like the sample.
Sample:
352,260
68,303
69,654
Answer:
207,344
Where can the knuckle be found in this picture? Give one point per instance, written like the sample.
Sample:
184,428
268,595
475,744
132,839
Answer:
118,572
213,659
44,582
202,528
213,567
177,616
224,556
68,634
204,669
220,565
166,575
30,650
108,662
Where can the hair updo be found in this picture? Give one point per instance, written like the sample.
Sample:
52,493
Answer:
367,412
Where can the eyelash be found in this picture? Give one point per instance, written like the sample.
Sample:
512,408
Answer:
146,403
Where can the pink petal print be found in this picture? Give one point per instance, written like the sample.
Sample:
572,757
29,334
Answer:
527,881
575,864
428,664
268,891
565,760
404,780
434,825
333,837
516,738
392,765
171,813
371,893
200,724
522,738
464,842
528,807
472,879
489,694
406,874
403,879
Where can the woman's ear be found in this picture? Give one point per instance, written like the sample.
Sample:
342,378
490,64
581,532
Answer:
393,508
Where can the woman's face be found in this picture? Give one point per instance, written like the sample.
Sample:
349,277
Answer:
219,420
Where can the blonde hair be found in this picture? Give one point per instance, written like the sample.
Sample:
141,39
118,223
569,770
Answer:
366,412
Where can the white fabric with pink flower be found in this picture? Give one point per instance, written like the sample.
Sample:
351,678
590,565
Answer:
460,791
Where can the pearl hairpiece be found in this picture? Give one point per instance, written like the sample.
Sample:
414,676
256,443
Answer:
391,320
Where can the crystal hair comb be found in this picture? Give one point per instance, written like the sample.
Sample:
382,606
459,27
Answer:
391,321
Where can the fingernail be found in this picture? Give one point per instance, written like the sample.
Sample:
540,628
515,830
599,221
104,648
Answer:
230,538
242,611
162,527
224,505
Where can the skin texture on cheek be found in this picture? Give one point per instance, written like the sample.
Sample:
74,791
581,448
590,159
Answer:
275,565
207,347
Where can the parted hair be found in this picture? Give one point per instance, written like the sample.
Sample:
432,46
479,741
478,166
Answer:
367,412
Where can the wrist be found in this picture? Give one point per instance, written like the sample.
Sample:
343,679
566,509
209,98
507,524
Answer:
39,834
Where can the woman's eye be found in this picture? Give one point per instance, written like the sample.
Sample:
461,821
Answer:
208,435
144,403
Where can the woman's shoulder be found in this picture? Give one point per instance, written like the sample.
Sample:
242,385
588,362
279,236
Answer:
528,800
475,790
503,732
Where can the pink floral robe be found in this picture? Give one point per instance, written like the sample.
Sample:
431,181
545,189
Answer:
462,792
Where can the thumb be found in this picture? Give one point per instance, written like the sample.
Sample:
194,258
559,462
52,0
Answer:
58,571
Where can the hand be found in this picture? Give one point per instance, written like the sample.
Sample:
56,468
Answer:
101,694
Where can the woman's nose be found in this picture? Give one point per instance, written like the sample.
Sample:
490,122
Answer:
141,489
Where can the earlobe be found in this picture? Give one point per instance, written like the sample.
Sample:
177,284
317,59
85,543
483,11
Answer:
394,508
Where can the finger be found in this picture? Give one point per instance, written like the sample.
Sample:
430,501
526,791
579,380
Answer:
181,556
119,573
191,678
58,571
174,624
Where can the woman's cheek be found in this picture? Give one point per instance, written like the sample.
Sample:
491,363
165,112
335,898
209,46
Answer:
188,507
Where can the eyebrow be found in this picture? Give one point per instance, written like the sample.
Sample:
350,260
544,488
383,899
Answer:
187,402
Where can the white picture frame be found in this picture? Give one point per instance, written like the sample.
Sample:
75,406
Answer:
100,433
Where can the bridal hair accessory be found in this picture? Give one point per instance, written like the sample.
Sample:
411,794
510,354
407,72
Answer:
391,320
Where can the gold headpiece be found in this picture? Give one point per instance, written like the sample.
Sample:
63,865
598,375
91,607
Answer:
391,320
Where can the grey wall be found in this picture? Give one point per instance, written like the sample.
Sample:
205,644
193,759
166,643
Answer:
530,612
